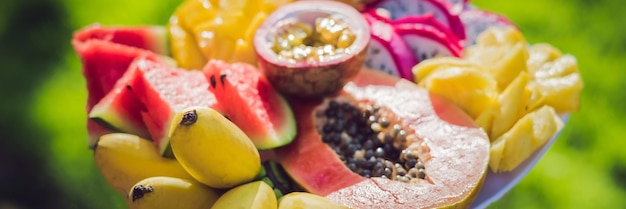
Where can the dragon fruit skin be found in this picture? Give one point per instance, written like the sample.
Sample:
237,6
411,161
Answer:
476,21
426,42
429,19
387,51
443,11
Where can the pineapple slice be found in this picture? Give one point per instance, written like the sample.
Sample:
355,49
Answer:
470,88
526,136
540,53
502,52
512,105
503,62
562,93
425,67
497,36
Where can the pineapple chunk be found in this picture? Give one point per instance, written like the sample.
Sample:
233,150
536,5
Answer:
526,136
562,93
512,105
425,67
504,62
540,53
470,88
497,36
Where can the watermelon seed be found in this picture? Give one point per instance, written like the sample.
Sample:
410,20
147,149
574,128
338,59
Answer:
213,82
222,77
140,190
190,117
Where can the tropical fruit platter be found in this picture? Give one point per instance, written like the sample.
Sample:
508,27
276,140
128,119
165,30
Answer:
321,104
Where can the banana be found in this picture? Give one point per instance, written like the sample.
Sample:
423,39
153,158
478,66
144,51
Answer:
124,159
170,192
253,195
212,149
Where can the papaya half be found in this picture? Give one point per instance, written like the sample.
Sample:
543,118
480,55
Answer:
386,143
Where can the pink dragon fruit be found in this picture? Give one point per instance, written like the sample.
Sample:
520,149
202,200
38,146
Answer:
387,51
476,21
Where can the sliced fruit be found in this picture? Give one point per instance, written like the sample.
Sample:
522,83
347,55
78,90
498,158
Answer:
120,110
253,195
339,38
430,20
511,103
124,159
476,21
528,134
441,10
184,49
503,61
539,54
387,51
427,41
162,91
469,87
340,155
557,67
428,66
303,200
562,93
253,104
94,131
205,30
152,38
161,192
106,53
201,137
104,63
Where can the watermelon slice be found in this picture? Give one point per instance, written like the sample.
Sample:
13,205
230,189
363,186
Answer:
164,90
120,110
106,53
252,103
152,38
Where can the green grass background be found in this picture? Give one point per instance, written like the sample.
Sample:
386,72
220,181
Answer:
45,163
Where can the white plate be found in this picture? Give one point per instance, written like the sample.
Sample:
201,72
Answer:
496,185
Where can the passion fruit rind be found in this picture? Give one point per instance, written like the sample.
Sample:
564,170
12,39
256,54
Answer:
305,28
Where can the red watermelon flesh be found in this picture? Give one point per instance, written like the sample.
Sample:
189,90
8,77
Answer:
164,90
106,53
253,104
151,38
120,109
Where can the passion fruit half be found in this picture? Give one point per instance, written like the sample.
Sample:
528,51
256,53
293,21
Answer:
312,49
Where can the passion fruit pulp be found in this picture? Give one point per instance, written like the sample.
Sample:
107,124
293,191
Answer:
312,49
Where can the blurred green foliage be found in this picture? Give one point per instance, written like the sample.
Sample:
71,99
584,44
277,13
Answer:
45,163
